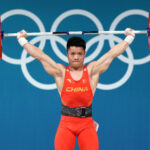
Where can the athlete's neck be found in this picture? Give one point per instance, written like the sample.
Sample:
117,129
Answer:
80,68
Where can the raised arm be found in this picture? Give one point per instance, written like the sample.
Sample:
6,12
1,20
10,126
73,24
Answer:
102,64
49,65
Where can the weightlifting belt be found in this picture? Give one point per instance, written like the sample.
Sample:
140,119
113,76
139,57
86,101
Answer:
77,112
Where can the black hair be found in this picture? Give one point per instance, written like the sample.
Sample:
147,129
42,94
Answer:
76,41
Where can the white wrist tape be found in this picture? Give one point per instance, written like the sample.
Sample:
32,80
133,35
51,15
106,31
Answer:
129,39
22,41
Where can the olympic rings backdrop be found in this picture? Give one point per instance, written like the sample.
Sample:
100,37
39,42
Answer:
29,102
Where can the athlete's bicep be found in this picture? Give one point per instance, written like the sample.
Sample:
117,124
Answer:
50,65
102,64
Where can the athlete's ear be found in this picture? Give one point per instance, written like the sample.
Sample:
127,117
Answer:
85,52
67,50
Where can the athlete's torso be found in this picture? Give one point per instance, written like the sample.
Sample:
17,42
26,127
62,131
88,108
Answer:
76,93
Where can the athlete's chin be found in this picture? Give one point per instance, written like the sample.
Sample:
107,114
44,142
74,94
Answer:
76,65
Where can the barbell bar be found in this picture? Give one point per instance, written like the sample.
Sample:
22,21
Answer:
5,35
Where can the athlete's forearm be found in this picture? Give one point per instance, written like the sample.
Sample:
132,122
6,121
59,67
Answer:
122,46
118,49
33,51
102,64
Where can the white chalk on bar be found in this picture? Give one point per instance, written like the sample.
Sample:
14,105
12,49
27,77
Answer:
73,33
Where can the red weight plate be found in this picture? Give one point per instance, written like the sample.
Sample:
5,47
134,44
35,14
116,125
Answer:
0,40
148,31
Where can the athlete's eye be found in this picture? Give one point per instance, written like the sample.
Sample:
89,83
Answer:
80,54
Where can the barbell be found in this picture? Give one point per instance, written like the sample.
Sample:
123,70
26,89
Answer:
4,35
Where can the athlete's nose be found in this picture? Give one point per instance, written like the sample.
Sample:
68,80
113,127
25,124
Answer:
76,57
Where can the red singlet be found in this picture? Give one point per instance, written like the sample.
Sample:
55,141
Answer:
76,93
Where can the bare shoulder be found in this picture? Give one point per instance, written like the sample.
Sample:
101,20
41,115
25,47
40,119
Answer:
90,67
61,69
61,66
59,77
93,76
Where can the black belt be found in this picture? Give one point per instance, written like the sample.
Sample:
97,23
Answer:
77,112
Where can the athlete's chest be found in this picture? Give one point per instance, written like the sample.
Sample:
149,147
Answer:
76,75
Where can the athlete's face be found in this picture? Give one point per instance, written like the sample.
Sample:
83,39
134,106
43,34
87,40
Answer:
76,56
